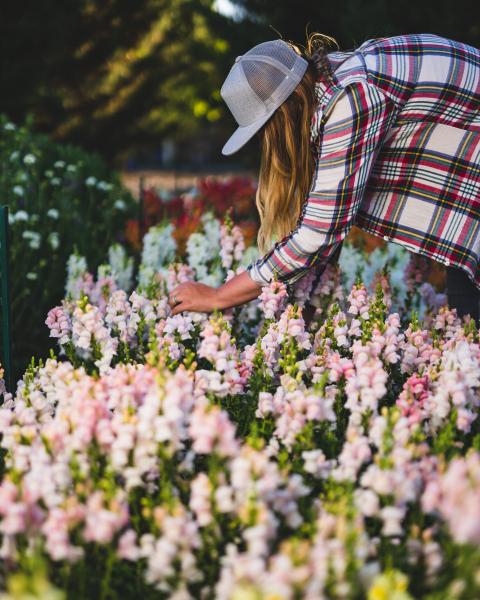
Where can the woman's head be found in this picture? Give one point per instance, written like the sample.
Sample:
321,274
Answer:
271,92
287,161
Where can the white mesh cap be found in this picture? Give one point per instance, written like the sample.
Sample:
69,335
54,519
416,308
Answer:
258,82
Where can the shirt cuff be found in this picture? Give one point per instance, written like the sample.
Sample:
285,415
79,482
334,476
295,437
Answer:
256,276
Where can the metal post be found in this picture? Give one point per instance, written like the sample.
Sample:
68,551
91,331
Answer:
141,207
5,297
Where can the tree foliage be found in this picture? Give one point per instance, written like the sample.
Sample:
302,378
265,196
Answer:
115,75
353,21
118,76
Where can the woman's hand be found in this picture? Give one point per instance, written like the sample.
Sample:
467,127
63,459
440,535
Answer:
193,296
198,297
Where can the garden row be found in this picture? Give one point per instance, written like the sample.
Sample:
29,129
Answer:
242,454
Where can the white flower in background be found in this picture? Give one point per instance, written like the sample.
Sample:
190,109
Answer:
250,255
49,173
20,215
203,249
353,261
159,249
29,159
33,237
9,126
14,155
53,213
104,271
103,185
120,204
18,190
55,181
32,276
76,268
90,181
53,240
214,278
121,265
211,227
59,164
71,168
199,252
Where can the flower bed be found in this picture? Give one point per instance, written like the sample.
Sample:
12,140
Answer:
245,454
60,198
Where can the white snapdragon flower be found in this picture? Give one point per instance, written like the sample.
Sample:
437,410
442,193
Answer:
59,164
120,204
203,249
33,237
53,213
9,126
53,240
121,265
20,215
104,186
250,255
90,181
76,268
18,190
159,247
29,159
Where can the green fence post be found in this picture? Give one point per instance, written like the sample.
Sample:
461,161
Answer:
5,298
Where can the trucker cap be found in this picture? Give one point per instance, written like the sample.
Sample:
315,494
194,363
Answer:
257,84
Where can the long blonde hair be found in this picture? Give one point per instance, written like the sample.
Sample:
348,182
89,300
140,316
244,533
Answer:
287,162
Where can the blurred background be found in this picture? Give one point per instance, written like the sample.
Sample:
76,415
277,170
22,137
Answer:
139,82
111,121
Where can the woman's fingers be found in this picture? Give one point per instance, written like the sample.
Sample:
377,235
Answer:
176,310
175,297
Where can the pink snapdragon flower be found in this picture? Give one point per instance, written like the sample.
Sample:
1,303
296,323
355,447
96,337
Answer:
60,324
455,496
272,299
359,303
411,400
232,244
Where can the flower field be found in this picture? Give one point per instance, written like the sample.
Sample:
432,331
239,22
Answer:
60,198
248,454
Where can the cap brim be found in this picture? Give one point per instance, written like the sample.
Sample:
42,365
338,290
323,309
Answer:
242,134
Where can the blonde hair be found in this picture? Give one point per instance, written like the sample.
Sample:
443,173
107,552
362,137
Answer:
287,162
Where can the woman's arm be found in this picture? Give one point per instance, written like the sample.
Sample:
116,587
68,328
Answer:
198,297
352,135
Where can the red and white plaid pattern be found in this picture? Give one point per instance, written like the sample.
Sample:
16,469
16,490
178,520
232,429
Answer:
397,143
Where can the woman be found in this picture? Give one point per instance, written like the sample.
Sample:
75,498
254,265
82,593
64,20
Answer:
386,136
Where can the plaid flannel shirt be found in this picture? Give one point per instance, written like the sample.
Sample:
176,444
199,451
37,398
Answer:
396,137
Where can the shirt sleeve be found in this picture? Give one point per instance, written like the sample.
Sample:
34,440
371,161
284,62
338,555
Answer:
352,135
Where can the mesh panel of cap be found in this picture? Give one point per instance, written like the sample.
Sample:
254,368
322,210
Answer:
263,78
278,50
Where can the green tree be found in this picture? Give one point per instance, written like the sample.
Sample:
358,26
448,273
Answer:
115,75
